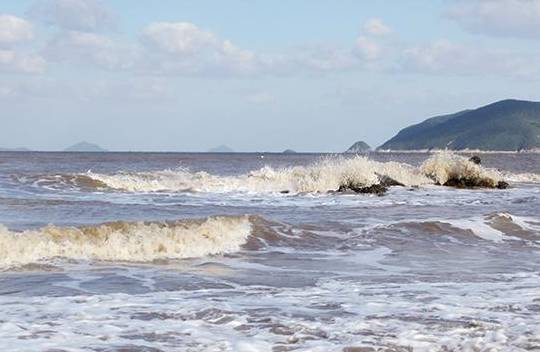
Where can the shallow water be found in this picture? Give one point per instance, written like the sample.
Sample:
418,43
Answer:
203,252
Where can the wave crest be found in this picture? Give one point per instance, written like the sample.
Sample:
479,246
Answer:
126,241
326,175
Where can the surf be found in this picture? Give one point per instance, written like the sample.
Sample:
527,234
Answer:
126,241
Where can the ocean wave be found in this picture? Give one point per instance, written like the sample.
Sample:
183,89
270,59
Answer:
326,175
323,176
126,241
526,177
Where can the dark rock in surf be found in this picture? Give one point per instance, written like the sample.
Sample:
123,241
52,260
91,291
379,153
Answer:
388,181
475,159
377,189
502,185
466,182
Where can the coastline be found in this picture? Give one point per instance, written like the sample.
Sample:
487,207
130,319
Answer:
459,151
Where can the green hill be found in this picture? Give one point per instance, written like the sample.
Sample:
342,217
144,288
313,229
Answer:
507,125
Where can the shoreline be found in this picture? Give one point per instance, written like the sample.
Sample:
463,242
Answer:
459,151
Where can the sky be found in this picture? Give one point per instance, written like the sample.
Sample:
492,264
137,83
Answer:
308,75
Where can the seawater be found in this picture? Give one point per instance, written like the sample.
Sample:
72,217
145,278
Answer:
257,252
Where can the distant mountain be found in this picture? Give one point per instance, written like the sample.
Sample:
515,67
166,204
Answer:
359,147
221,149
14,150
289,151
507,125
85,147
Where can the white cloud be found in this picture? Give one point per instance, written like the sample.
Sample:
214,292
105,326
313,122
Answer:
445,57
78,15
14,29
90,48
509,18
185,48
373,40
367,48
376,27
12,61
181,38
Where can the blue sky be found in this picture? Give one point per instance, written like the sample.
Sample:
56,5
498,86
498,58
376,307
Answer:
255,75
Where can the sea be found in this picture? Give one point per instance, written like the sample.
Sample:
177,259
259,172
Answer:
242,252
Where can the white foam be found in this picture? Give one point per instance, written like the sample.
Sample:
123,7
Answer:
124,241
326,175
479,227
444,166
527,177
526,223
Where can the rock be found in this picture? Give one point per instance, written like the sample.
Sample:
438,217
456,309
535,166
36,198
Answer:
502,185
475,159
388,181
377,189
466,182
474,183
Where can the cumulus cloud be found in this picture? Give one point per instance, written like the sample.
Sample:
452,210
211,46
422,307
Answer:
89,48
376,27
78,15
510,18
14,30
373,40
12,61
186,48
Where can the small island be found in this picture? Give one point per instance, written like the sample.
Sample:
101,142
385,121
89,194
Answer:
358,147
289,151
221,149
85,147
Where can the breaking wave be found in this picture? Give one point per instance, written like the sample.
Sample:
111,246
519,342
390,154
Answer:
527,177
445,166
324,176
126,241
